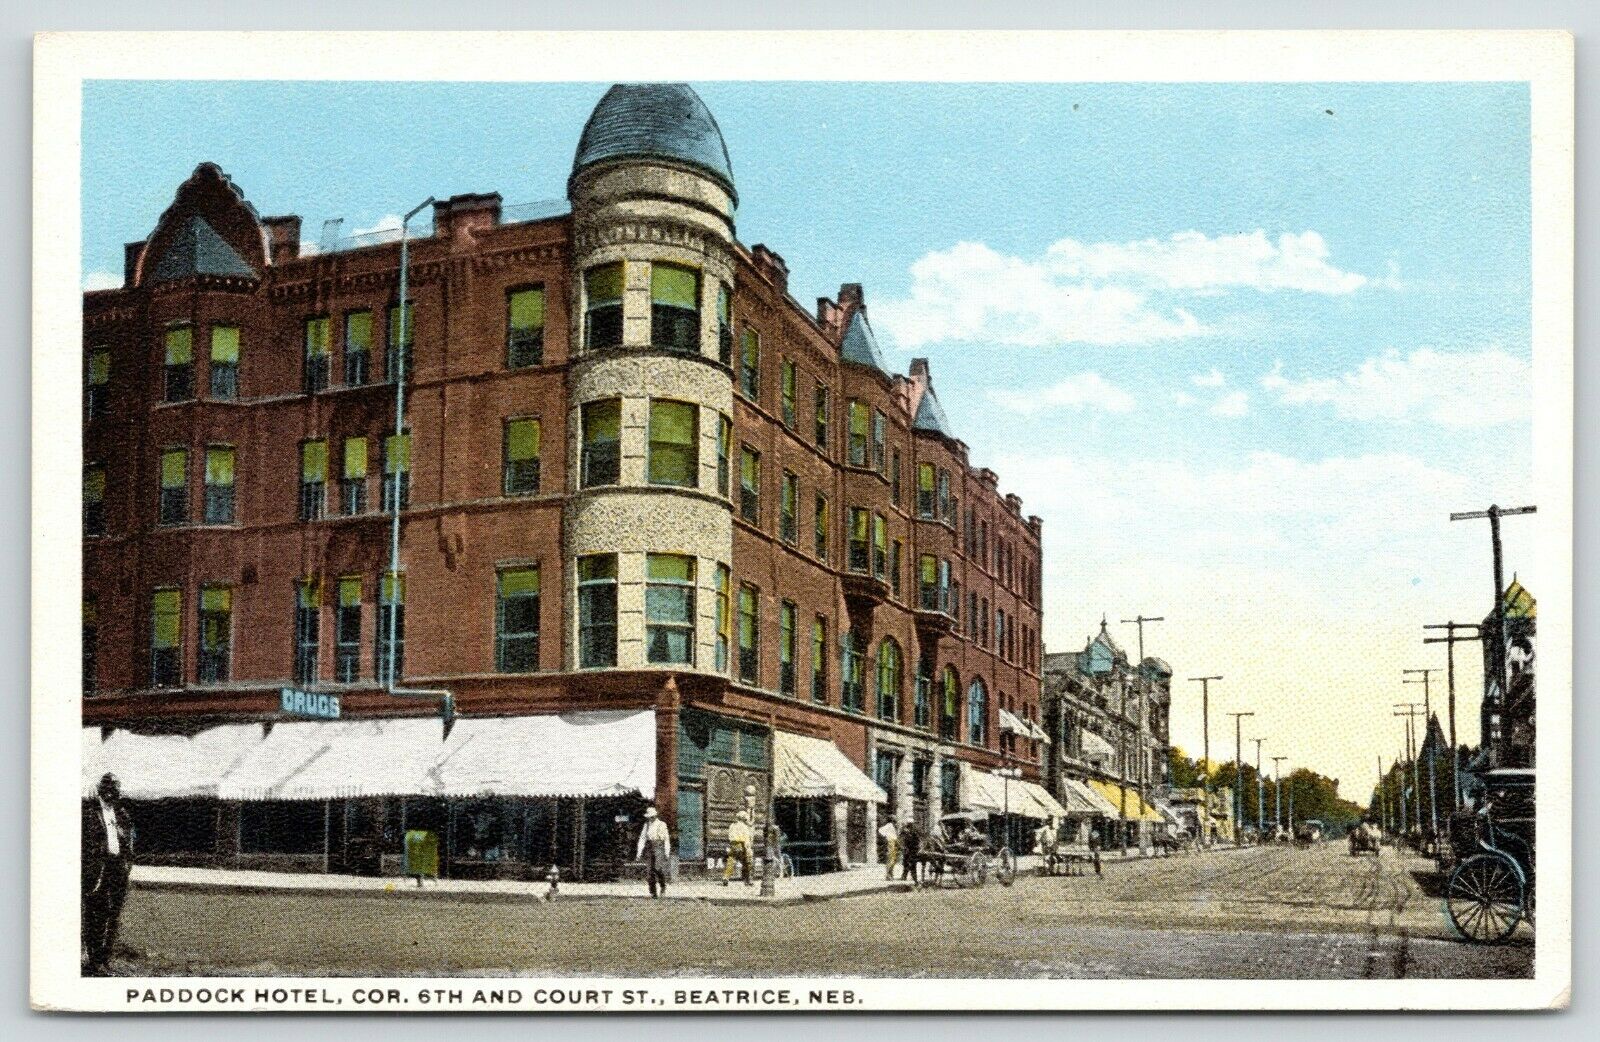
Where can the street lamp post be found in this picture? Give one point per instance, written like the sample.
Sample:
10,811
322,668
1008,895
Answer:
1006,774
1238,772
1205,757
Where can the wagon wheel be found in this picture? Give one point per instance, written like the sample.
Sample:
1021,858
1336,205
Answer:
975,871
1005,867
1485,898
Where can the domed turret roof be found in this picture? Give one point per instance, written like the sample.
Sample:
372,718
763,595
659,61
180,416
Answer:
655,121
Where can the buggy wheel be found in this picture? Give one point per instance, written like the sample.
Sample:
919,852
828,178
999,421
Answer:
975,872
1005,867
1485,898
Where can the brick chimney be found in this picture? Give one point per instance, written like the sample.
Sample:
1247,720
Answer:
771,266
283,233
131,252
466,214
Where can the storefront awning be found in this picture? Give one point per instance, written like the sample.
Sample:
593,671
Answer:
338,759
1009,721
1096,748
161,767
566,754
1048,804
1084,802
1129,807
815,767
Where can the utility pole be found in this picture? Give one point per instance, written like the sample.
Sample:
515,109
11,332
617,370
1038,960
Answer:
1502,680
1205,756
1427,729
1450,640
1144,690
1261,796
1412,711
1277,803
1383,806
1238,772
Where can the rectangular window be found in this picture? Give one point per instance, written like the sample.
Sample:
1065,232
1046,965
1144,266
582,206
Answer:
307,629
216,633
357,348
174,487
602,316
819,660
523,442
823,408
894,479
750,364
347,631
724,325
313,479
922,704
97,384
602,442
525,327
724,617
219,484
858,553
750,485
970,535
674,457
1000,632
895,554
353,488
724,451
860,427
925,490
786,396
166,638
983,625
749,633
597,611
789,509
317,347
390,667
944,587
516,617
851,668
225,362
972,615
396,472
94,500
675,308
402,330
91,641
880,546
944,496
669,608
880,442
179,363
822,527
786,648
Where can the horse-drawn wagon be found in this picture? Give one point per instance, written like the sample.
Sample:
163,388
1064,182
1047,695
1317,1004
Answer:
1490,890
960,848
1363,840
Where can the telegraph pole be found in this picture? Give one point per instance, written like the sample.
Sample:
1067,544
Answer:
1450,640
1427,728
1205,756
1144,689
1261,796
1494,514
1412,710
1277,803
1383,801
1238,772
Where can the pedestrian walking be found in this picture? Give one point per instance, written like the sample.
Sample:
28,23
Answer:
107,862
654,842
890,834
910,848
739,840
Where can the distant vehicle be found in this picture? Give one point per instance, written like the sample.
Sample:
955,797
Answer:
1307,833
1363,840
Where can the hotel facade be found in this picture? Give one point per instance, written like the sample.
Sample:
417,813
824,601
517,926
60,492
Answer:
665,535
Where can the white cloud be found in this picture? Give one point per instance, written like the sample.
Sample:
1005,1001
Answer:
389,222
102,280
1194,261
1478,388
1183,398
1079,391
1211,379
1236,403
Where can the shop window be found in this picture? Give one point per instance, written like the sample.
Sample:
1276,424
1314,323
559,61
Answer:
313,479
307,629
602,316
859,431
166,638
750,364
786,648
390,644
675,308
888,679
949,787
219,485
357,348
174,487
225,362
97,384
396,472
516,648
523,442
602,443
788,508
819,660
315,374
216,633
597,611
786,392
94,500
398,358
347,631
674,457
749,634
353,486
525,327
179,369
669,608
750,485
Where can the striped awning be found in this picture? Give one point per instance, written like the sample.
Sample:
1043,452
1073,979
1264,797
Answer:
1126,803
1083,801
815,767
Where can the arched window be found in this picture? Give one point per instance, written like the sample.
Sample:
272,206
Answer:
977,713
888,679
950,710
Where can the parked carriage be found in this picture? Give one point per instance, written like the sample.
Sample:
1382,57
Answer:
1491,888
1307,833
960,848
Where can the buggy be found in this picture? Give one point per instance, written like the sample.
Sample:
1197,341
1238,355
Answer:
1491,888
1363,840
960,846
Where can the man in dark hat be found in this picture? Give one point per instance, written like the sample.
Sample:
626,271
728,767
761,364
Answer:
107,863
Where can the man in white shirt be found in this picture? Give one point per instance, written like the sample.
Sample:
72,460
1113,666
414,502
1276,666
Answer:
654,844
889,832
107,863
740,840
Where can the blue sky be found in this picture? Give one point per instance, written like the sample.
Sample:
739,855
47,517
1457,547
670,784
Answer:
1241,346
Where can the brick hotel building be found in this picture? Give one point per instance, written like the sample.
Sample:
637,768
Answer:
667,536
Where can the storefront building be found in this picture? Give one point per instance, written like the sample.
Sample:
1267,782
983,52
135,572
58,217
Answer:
644,495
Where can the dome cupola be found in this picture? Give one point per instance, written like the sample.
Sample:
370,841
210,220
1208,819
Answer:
655,121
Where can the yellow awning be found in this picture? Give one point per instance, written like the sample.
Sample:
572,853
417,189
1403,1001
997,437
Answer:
1135,809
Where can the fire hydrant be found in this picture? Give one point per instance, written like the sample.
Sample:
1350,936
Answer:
554,878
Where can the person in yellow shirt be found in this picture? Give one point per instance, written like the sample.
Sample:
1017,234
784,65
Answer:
740,839
889,832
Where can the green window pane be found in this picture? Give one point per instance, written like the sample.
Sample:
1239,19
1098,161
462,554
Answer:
602,421
219,466
393,588
858,418
314,461
527,309
519,582
750,348
925,477
180,345
100,368
225,344
672,422
674,286
316,337
349,592
858,523
791,494
596,568
750,469
94,484
308,593
166,609
952,694
174,468
397,453
355,457
523,439
216,599
880,537
669,568
929,569
358,331
604,285
410,323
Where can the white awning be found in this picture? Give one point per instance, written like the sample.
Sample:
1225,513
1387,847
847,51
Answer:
1009,721
338,759
1038,732
1097,748
159,767
609,753
1090,798
810,767
1040,795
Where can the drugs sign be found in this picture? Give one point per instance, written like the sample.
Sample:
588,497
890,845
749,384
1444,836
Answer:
308,703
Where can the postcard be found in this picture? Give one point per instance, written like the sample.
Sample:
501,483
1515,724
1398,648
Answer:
799,521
